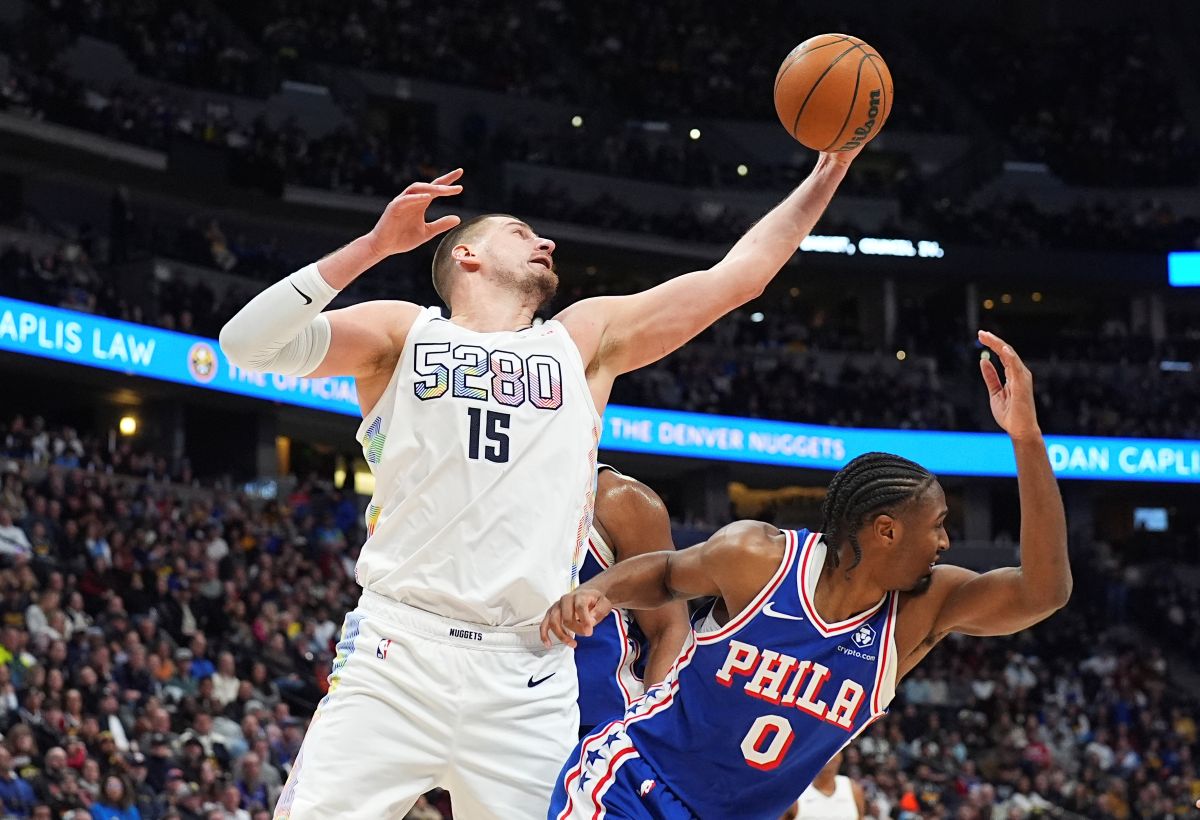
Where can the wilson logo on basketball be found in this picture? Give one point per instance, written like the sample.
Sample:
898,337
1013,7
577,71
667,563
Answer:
864,130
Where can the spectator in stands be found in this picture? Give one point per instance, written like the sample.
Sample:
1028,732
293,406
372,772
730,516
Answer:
117,801
16,795
14,543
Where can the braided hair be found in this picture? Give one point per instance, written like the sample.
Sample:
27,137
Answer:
870,484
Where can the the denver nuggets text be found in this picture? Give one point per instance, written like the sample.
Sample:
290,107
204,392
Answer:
788,681
476,374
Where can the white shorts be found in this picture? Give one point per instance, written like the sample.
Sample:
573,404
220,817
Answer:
418,701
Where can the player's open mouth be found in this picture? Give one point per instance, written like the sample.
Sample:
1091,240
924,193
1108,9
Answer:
542,260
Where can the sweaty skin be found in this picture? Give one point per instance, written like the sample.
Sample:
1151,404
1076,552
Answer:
899,553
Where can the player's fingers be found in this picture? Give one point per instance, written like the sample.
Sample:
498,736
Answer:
582,618
426,189
990,377
550,623
407,201
437,226
1008,356
570,615
600,610
449,177
565,633
433,187
555,621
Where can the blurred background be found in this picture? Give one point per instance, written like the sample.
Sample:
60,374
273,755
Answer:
177,539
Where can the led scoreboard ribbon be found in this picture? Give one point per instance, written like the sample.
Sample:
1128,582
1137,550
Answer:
138,350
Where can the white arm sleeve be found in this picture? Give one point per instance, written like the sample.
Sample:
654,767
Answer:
282,330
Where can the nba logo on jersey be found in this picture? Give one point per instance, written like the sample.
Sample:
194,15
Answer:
646,787
382,650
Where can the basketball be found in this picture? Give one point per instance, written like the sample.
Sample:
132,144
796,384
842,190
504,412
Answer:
833,92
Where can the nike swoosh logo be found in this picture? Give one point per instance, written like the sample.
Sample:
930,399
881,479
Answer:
533,682
307,298
769,610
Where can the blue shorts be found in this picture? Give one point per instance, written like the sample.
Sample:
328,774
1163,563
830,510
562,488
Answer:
606,777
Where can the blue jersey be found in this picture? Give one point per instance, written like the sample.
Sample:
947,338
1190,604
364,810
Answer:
610,662
718,736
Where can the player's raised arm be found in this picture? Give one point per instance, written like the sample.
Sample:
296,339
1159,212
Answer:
622,333
1007,600
734,563
283,329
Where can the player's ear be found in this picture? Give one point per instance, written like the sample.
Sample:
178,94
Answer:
465,257
886,529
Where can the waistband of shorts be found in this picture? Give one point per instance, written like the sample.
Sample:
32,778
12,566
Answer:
449,630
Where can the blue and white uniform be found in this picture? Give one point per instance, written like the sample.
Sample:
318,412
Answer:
718,738
612,659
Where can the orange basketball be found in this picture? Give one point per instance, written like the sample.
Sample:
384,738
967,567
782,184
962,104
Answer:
833,92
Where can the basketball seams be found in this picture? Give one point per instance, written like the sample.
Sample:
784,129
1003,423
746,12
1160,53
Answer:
796,54
811,91
853,103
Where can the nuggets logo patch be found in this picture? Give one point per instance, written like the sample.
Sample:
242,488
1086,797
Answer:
202,362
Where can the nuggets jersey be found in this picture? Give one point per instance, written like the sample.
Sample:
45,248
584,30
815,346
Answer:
815,805
483,448
609,661
751,711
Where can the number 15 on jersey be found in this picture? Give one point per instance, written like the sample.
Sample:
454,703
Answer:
477,374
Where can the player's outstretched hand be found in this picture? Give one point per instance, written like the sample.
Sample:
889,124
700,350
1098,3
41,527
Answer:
844,157
403,227
576,613
1011,399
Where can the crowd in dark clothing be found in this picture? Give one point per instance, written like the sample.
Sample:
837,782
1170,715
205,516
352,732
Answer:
1101,145
162,645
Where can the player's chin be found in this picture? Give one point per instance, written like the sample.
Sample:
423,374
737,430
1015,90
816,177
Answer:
922,585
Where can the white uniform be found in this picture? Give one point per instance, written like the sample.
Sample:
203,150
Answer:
483,448
815,805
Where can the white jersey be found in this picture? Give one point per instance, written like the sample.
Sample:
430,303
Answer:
483,448
814,805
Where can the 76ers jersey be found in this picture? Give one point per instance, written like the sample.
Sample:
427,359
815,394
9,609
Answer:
752,710
483,448
610,660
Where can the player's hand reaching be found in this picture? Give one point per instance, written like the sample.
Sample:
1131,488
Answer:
842,157
576,613
403,227
1011,399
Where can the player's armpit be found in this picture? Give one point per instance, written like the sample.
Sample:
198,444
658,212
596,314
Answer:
736,563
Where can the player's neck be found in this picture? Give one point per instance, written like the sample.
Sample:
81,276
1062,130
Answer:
839,598
492,315
826,785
